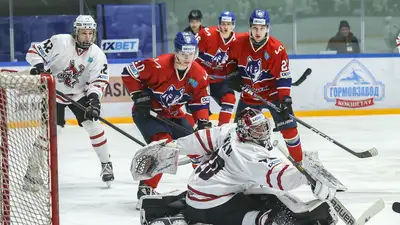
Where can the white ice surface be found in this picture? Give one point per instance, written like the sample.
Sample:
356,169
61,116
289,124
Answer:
84,200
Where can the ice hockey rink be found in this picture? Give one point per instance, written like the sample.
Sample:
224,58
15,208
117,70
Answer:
85,200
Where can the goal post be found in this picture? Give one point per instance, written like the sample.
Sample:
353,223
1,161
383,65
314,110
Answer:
28,144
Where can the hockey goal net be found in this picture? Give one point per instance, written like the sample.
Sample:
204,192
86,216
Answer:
28,149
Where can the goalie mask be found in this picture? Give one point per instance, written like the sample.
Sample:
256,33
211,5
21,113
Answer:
84,31
253,126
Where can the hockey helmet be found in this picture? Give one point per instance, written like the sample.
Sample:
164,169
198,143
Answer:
260,17
84,22
185,42
253,126
195,14
227,16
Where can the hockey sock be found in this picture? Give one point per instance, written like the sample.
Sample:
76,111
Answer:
293,143
227,104
153,182
98,139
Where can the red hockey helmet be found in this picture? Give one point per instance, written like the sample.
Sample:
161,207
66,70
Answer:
253,126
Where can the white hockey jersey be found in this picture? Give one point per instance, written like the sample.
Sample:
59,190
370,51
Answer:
398,42
232,168
78,72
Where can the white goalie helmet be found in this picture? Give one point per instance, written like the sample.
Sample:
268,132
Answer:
84,22
253,126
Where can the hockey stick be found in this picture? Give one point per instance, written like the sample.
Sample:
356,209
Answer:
303,77
170,123
341,210
396,207
365,154
182,161
83,108
299,81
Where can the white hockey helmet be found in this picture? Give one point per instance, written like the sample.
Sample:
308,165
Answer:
84,22
253,126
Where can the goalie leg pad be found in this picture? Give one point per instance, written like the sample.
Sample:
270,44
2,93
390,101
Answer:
170,220
154,207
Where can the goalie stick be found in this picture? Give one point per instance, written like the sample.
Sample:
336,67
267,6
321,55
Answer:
365,154
182,161
396,207
341,210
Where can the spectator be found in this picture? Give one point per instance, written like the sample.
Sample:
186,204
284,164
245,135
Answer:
344,41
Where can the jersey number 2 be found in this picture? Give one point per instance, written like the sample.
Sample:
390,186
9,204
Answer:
104,70
211,167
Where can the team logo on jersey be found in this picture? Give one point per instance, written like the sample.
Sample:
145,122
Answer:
171,96
253,69
354,87
70,75
220,57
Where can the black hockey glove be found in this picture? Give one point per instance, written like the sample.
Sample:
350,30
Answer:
37,69
285,106
235,83
142,102
203,124
92,107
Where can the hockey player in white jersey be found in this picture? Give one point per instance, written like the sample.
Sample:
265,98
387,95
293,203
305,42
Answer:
398,42
236,158
80,69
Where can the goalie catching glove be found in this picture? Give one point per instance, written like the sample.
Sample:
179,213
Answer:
157,157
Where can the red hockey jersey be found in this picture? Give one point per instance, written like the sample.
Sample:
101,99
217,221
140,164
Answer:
160,78
265,69
213,53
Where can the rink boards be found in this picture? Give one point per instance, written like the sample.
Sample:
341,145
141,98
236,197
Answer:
355,85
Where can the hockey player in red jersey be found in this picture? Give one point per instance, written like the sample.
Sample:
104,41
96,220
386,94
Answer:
163,85
195,25
214,43
263,64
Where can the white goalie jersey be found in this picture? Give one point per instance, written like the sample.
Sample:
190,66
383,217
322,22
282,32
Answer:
232,167
78,72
